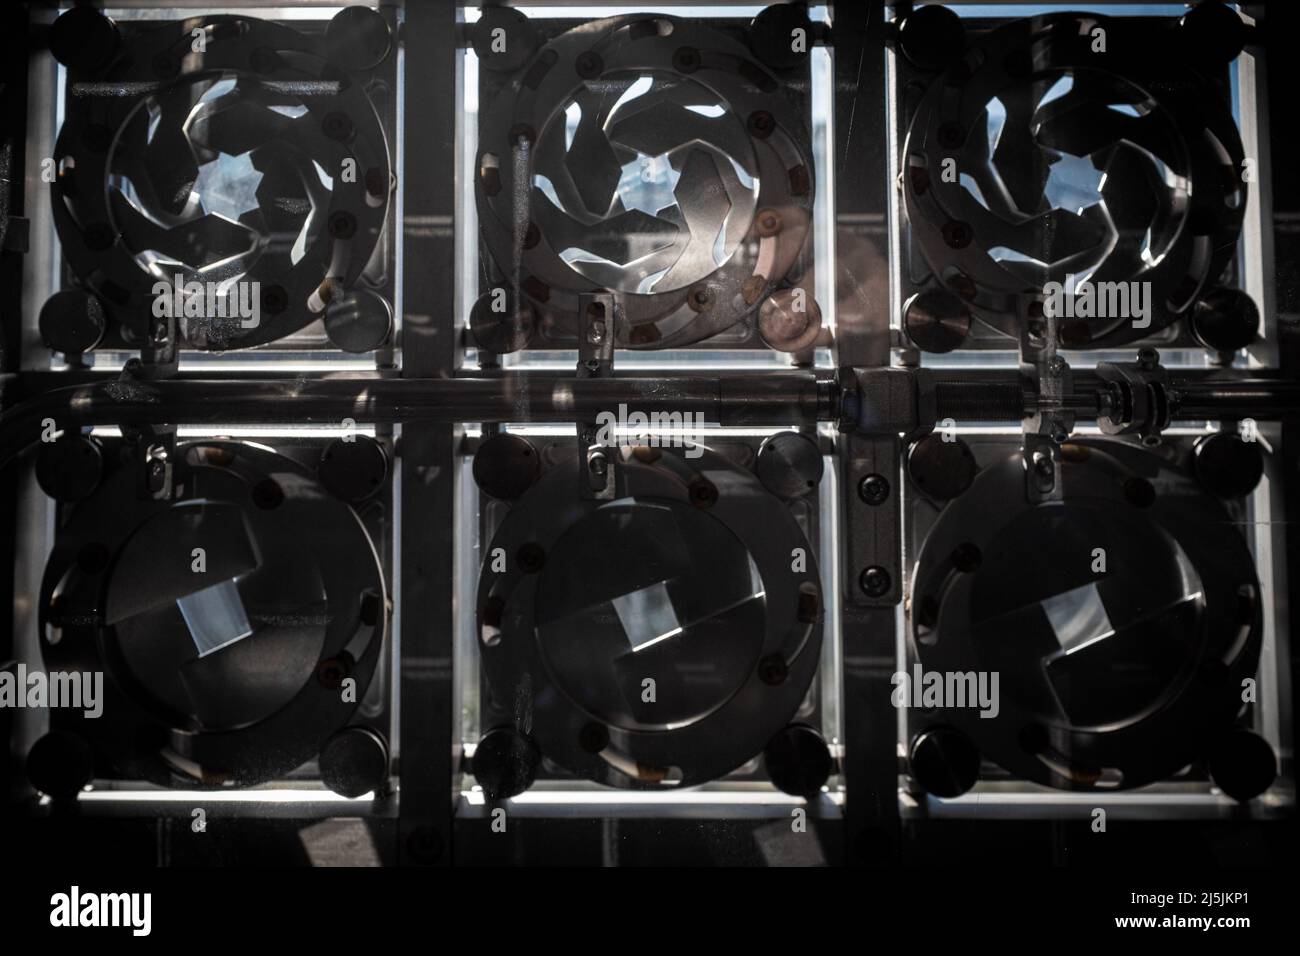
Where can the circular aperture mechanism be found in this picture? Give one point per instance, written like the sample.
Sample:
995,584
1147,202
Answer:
1039,159
651,158
247,174
1120,661
656,640
225,622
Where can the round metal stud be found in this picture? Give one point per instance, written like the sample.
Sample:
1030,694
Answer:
60,764
941,467
504,39
772,35
936,320
500,322
83,39
353,468
72,321
70,467
1212,33
790,320
506,465
1227,465
944,761
505,763
931,37
354,761
358,39
789,465
359,322
1225,320
798,761
1242,764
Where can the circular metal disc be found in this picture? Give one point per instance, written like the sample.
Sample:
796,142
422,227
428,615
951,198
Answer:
226,620
1074,165
660,639
1120,658
651,157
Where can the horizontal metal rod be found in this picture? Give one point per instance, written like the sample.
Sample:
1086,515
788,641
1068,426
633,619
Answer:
754,399
797,398
989,395
1265,400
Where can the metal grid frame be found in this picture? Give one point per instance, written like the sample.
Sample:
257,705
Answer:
423,827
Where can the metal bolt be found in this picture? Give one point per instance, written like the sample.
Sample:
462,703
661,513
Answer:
699,298
875,581
157,475
424,845
956,234
530,557
686,59
331,672
760,124
773,670
703,493
337,126
589,64
342,225
769,223
874,489
274,299
157,469
1044,470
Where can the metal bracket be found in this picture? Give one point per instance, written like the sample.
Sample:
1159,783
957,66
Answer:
154,445
1136,396
1051,422
598,314
156,457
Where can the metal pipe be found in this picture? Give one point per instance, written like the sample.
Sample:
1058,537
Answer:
987,395
1263,399
754,399
780,399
